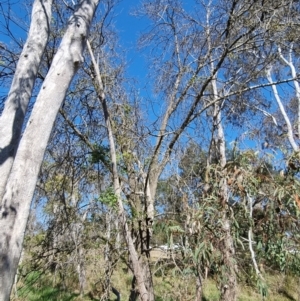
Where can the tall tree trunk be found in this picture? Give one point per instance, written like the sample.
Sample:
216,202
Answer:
140,237
137,268
21,183
147,275
12,118
229,282
290,132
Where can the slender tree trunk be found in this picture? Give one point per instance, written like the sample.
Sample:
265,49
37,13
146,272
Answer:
229,282
145,295
199,285
290,64
147,275
250,235
81,269
21,183
143,259
107,256
290,132
52,259
77,233
12,118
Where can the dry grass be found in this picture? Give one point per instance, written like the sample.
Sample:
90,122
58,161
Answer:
171,283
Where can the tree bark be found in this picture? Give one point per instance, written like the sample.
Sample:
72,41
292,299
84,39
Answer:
290,133
199,285
12,118
81,269
21,183
137,268
290,64
229,282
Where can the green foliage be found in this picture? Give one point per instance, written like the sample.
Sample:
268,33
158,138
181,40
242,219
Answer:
262,287
48,293
109,198
203,253
100,153
127,110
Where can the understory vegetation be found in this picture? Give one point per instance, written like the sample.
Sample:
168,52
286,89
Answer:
170,286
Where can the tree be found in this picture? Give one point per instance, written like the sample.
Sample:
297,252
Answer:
22,178
12,118
207,67
194,54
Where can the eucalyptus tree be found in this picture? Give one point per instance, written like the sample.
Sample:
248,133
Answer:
191,60
274,60
67,195
12,117
259,60
77,165
121,123
281,121
96,104
204,63
231,49
21,180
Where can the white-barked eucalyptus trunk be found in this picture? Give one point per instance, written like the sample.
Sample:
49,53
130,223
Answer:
290,132
229,277
12,117
23,176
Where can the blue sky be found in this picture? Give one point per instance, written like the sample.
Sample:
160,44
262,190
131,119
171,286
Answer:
129,28
20,15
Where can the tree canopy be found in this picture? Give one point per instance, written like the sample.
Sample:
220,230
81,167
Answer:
193,153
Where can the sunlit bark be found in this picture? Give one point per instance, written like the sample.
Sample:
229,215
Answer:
23,176
290,133
12,118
